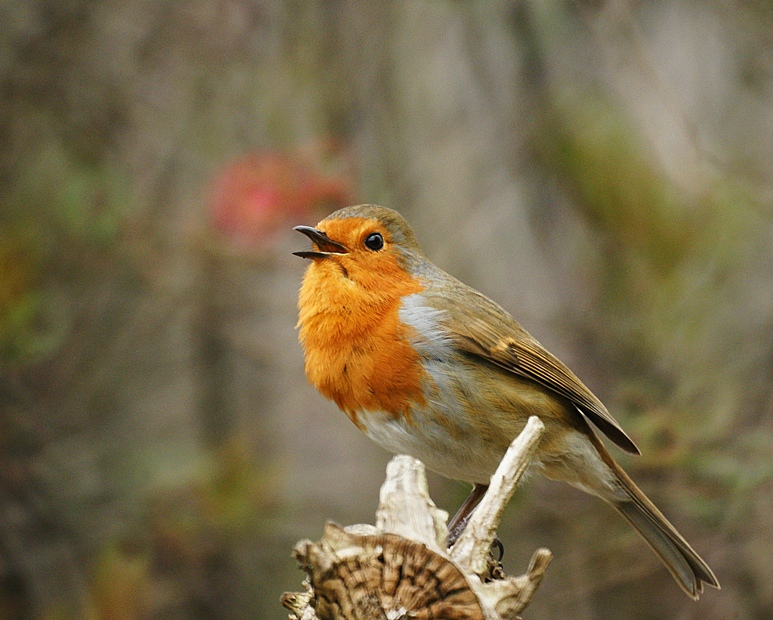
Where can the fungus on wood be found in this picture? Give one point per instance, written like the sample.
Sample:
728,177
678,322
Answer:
401,569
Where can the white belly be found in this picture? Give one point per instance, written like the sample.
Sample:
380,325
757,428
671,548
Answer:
458,458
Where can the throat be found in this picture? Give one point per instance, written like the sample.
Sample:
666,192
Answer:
359,354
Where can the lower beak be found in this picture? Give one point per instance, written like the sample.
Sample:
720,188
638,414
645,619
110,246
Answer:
326,247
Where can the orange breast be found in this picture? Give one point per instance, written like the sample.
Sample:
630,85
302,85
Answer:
357,352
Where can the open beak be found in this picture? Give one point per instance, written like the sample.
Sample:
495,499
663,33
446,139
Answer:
326,247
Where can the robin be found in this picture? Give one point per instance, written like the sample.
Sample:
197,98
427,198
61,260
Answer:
430,367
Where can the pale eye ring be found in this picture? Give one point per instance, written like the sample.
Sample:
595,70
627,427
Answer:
374,241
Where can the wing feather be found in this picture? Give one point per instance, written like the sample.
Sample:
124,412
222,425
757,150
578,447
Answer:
482,328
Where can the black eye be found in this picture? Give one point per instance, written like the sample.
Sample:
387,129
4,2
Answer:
374,241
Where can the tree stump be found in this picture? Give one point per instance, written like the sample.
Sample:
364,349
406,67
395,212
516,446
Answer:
401,569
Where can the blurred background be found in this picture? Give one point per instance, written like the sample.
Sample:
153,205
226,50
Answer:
604,170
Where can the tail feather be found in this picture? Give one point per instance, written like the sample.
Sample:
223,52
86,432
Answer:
686,566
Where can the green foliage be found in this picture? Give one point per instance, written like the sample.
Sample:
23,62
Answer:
668,261
618,188
120,583
61,221
74,203
20,297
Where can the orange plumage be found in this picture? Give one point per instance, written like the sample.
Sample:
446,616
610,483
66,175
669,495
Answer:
358,352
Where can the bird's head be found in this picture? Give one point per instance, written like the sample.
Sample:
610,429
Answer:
368,245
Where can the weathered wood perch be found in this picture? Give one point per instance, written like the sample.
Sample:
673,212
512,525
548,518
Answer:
401,569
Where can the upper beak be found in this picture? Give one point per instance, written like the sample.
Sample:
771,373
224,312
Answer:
325,245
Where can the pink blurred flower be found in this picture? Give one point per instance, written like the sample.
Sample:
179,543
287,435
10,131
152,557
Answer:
258,194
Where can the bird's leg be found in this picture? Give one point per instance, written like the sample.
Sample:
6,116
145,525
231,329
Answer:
459,521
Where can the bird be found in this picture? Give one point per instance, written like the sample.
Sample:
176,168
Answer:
428,366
